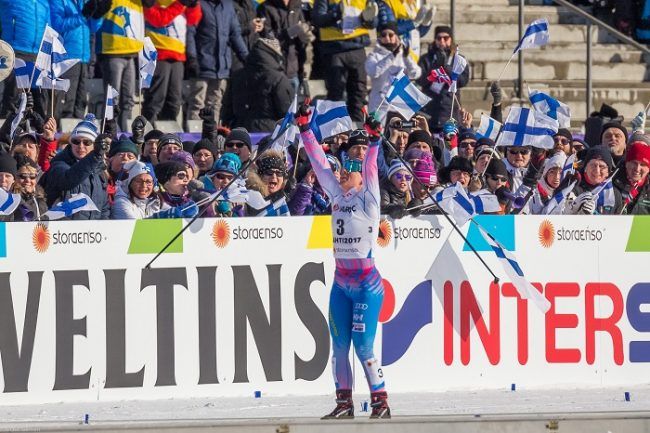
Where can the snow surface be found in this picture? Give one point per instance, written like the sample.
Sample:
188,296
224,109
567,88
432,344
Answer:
496,402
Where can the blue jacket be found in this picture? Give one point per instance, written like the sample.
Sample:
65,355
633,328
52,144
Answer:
72,26
69,175
211,40
23,23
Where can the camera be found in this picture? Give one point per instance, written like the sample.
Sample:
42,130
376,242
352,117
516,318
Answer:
403,124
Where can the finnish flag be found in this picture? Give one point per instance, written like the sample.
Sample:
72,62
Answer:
555,205
605,196
485,202
147,60
53,61
551,107
111,99
515,273
455,201
19,115
75,203
24,71
488,128
277,208
460,63
286,133
330,118
404,97
8,202
526,127
535,36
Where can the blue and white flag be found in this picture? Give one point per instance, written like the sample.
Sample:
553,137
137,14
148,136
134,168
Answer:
75,203
604,193
286,133
19,114
488,128
53,61
526,127
404,97
277,208
459,65
556,204
111,100
515,273
236,192
553,108
568,169
330,118
8,202
484,202
535,36
147,60
24,71
455,201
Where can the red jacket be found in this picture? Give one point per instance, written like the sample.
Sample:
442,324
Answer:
158,17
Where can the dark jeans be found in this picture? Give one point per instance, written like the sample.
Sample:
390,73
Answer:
163,100
346,72
11,93
73,102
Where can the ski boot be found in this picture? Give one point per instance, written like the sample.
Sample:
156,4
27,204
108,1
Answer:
344,406
379,404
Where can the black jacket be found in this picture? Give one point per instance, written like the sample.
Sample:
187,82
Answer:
284,22
440,105
393,202
641,203
268,92
245,14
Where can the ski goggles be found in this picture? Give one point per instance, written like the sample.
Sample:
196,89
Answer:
352,165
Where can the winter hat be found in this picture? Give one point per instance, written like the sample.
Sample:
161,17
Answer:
239,134
154,134
468,134
460,163
135,168
638,151
166,170
414,153
485,141
496,167
357,138
617,125
8,164
26,135
425,170
563,132
584,143
188,146
639,137
168,139
228,163
124,144
389,25
443,29
420,135
557,160
207,145
599,152
184,157
486,150
396,166
271,160
87,128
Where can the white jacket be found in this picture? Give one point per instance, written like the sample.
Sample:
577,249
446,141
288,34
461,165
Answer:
382,66
126,208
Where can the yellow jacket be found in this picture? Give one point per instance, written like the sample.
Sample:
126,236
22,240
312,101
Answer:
122,29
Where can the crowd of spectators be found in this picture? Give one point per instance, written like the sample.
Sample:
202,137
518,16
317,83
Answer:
245,65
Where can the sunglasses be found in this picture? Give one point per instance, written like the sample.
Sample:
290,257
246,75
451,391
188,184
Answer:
237,144
361,132
561,140
271,172
223,176
182,175
401,176
387,34
352,166
78,142
147,182
467,144
498,178
25,176
519,151
443,38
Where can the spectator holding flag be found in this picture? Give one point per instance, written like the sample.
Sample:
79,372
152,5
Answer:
386,61
270,179
548,183
633,183
441,55
79,168
32,205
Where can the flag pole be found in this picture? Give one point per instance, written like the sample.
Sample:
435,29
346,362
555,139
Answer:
506,67
453,99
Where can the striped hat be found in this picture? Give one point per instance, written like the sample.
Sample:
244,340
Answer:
87,128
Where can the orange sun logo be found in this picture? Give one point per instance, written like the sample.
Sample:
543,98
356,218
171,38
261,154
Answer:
41,238
546,234
385,233
221,234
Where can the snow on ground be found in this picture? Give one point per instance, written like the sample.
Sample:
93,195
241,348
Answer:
559,401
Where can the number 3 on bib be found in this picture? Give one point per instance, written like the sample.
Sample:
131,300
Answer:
340,230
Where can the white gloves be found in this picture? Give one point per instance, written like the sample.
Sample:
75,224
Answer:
425,16
638,123
584,204
371,11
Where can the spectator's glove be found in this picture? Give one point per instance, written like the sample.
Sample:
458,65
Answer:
396,212
110,128
37,122
416,203
372,127
224,207
189,3
497,96
585,204
207,114
530,177
96,8
102,144
303,88
424,16
638,123
192,67
450,128
302,116
137,128
369,14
